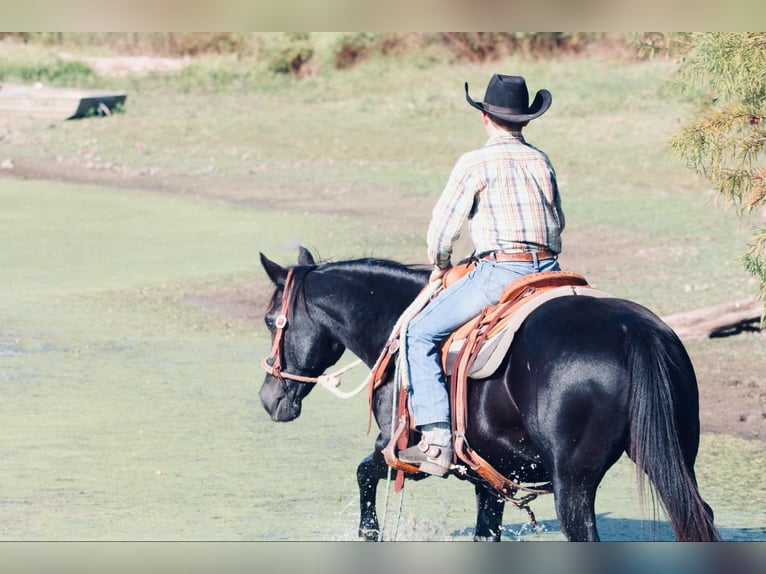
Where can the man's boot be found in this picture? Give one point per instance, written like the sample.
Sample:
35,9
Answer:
433,454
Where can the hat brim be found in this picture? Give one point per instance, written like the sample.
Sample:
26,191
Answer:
540,105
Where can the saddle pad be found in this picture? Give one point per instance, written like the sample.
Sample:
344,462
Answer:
495,348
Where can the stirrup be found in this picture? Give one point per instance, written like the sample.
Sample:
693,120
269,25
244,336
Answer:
432,459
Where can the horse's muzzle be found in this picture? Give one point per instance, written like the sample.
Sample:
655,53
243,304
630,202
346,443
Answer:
278,404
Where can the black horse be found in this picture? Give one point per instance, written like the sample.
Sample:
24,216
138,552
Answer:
586,379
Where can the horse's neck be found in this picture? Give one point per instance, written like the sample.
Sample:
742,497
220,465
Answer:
363,314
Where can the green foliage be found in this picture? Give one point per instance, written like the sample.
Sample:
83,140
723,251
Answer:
482,46
726,142
649,45
288,52
755,261
56,73
352,47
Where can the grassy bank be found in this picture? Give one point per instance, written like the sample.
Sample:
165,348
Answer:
388,131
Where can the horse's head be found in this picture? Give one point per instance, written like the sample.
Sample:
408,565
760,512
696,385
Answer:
302,347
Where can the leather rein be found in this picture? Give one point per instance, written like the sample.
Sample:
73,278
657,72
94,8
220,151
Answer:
273,364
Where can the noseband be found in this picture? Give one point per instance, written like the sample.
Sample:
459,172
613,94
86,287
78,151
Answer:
273,363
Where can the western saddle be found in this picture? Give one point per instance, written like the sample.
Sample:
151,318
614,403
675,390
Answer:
476,350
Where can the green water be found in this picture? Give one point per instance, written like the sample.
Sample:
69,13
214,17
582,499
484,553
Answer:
130,413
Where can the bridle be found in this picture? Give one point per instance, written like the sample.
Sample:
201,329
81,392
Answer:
273,364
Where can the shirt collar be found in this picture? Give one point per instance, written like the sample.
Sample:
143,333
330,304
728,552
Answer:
506,137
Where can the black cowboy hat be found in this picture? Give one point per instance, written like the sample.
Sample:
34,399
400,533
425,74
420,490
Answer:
507,99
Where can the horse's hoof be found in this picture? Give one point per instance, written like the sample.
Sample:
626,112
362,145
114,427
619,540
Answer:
369,535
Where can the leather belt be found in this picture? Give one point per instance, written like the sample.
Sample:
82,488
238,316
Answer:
522,256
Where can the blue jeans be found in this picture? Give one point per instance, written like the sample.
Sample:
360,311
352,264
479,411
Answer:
450,309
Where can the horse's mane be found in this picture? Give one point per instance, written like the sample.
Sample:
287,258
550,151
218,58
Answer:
374,265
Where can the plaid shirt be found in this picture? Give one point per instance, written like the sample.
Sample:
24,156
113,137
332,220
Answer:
507,190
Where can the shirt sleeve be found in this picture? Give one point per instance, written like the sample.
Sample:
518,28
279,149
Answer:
557,200
450,212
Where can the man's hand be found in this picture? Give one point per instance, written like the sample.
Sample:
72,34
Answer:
436,274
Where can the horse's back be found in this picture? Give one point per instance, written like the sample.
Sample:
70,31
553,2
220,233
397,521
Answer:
569,333
592,329
570,370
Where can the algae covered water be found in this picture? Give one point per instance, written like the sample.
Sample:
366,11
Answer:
131,412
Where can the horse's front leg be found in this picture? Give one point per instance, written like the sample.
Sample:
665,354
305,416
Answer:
369,472
489,514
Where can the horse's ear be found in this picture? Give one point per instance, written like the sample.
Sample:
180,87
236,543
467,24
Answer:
275,271
305,257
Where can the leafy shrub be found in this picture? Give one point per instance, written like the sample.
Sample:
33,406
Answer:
288,53
352,48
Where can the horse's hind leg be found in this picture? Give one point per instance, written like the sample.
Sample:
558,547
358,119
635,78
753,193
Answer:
575,477
368,474
489,514
576,511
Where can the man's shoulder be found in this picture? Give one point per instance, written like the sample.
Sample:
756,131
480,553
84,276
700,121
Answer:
473,155
503,150
470,159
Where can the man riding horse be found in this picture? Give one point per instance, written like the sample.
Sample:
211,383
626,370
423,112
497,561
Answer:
507,191
586,379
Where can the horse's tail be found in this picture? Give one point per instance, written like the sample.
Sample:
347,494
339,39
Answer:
664,430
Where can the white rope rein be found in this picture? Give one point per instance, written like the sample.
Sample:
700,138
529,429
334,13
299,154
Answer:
331,382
